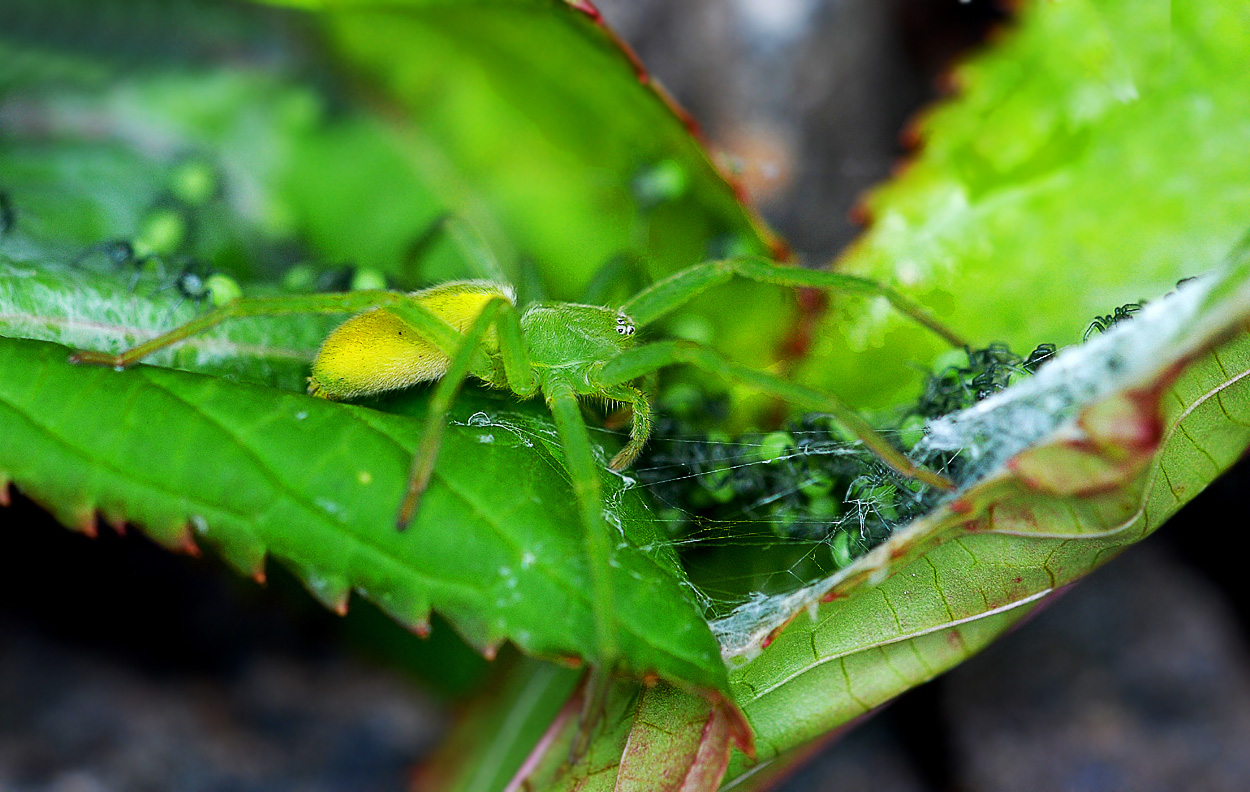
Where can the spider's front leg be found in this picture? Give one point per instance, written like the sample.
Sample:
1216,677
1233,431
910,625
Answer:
584,474
637,362
640,428
667,295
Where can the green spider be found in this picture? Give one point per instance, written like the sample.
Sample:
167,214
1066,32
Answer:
564,351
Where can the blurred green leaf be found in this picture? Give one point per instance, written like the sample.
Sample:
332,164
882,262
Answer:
1092,157
546,126
497,733
531,119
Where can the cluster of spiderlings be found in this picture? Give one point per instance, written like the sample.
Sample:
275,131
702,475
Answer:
988,370
809,480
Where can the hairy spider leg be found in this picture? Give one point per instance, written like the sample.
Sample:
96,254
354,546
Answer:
445,337
661,354
501,313
639,430
665,296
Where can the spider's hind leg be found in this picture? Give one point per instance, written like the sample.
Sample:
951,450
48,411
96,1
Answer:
241,308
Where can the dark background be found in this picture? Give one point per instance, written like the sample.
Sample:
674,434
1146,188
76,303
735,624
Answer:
125,667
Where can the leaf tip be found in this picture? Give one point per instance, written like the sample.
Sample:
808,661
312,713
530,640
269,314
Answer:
185,543
587,8
490,650
332,591
117,523
341,607
86,523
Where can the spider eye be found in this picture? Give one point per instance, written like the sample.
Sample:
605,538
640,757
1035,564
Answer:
624,326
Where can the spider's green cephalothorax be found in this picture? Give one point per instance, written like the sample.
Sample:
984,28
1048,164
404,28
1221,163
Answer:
571,342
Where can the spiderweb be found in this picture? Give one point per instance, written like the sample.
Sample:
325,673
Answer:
762,522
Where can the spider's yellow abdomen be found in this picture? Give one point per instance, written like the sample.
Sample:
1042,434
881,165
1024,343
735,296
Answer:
376,351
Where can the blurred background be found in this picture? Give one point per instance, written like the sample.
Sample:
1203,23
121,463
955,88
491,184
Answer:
123,667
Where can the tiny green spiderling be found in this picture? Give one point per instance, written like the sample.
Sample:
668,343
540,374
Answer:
565,352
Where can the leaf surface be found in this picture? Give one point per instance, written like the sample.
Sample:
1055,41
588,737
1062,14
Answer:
255,472
1092,157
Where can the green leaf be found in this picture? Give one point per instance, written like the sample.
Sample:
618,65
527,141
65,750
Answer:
255,472
1093,157
677,742
42,298
650,739
1151,431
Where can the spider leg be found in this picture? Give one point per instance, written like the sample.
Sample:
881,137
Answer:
644,359
351,302
667,295
1096,326
588,490
640,428
499,312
